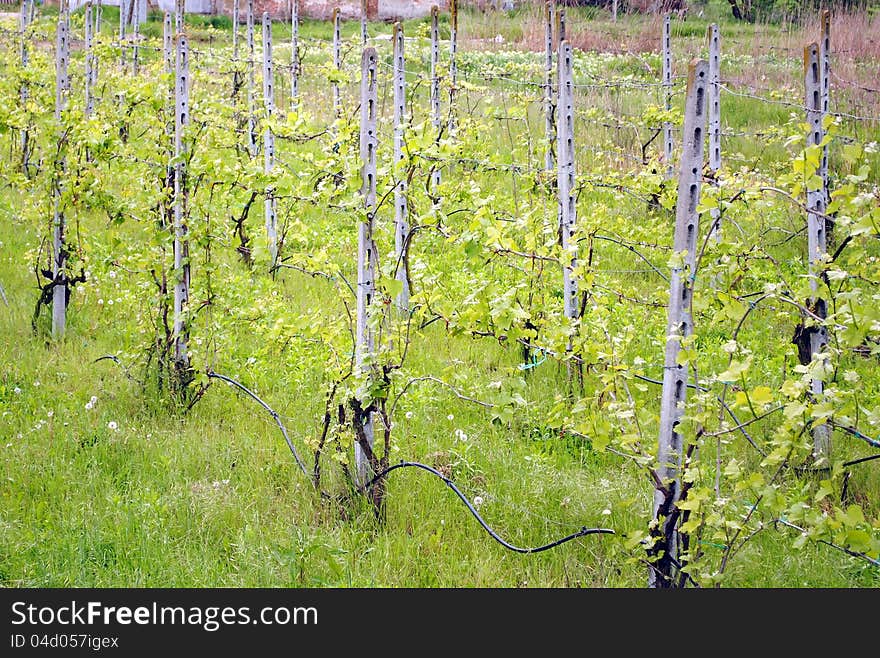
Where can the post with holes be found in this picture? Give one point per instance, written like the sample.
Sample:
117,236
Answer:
60,288
123,11
565,181
181,229
549,106
364,16
167,40
401,210
367,256
294,53
235,17
815,337
435,85
89,106
337,61
252,121
269,140
25,21
136,32
560,25
825,77
668,144
453,66
664,553
714,90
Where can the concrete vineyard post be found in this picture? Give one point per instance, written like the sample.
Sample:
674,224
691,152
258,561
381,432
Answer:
167,41
181,229
269,140
60,288
364,13
367,257
252,122
337,61
89,61
136,33
714,90
27,15
679,327
401,219
453,66
668,144
235,16
816,234
825,82
566,180
435,85
549,107
294,53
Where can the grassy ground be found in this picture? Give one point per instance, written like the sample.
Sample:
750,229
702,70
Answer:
119,491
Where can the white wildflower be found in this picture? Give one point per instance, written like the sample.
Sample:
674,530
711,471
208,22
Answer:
112,274
50,413
112,425
100,302
450,417
408,415
478,501
94,399
89,406
16,390
606,512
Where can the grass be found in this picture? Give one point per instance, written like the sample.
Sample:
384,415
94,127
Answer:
212,497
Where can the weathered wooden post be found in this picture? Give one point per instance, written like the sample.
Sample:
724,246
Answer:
367,256
614,11
714,89
337,61
252,121
816,237
181,228
664,552
294,53
98,8
668,144
549,105
60,288
435,85
565,180
401,210
269,140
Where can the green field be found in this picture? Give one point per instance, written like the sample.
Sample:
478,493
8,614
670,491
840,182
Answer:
113,477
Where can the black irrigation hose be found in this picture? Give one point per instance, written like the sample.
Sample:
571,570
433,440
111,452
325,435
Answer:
271,411
538,549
